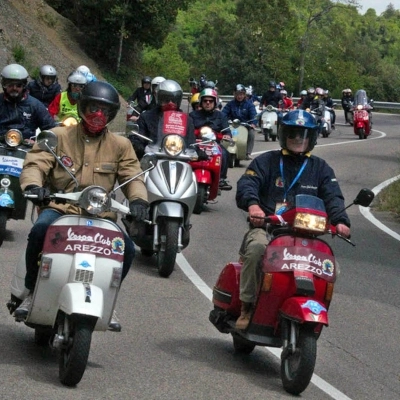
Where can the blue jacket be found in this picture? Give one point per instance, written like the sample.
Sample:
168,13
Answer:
244,111
262,184
26,115
42,93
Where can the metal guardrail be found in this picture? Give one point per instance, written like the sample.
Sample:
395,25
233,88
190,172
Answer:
377,104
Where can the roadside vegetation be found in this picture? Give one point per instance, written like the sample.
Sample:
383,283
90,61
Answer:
389,199
332,44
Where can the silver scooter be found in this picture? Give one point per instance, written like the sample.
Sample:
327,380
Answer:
172,193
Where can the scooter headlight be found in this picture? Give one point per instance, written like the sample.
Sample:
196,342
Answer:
95,200
359,107
310,222
174,145
13,137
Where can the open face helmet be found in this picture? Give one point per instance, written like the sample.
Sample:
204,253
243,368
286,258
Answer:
146,79
98,105
195,100
298,122
47,71
14,74
155,82
303,93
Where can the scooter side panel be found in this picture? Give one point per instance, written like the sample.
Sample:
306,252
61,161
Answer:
203,176
305,309
226,290
241,142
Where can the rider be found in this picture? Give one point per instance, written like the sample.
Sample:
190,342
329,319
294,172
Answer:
142,95
329,103
311,101
287,101
46,86
347,102
303,95
195,101
95,156
65,103
242,109
271,96
209,115
19,110
272,181
168,98
88,75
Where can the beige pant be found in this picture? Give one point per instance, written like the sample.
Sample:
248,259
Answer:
251,251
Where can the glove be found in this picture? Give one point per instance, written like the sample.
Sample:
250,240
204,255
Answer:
201,154
42,194
139,209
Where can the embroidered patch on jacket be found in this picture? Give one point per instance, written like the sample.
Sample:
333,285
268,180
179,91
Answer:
107,167
250,172
279,182
67,161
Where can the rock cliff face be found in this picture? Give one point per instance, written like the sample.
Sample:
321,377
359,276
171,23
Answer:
33,34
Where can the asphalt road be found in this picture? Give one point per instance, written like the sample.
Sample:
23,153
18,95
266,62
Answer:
169,350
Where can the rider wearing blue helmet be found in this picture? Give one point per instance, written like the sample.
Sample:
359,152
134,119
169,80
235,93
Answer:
270,183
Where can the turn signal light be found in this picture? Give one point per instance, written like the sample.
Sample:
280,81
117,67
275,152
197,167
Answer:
267,282
45,269
329,291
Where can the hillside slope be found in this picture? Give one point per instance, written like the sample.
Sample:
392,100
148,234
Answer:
36,33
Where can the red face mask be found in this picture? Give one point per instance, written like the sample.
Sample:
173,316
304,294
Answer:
95,122
169,107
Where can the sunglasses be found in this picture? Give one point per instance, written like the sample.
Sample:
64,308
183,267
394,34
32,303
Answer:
93,108
17,85
77,85
208,101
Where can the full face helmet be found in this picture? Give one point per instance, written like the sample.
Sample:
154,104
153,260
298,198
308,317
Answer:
155,82
298,122
14,74
47,71
169,95
98,105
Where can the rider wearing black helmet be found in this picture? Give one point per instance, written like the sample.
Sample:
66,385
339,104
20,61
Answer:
46,86
271,96
95,156
270,185
143,95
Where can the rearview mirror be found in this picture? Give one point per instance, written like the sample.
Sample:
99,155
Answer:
364,197
47,140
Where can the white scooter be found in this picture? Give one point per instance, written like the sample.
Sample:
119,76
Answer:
237,145
269,123
79,275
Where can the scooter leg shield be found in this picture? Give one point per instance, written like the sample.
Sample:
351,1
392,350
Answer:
169,209
305,309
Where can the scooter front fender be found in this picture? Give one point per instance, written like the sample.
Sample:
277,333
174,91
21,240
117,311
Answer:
203,176
304,309
78,298
169,209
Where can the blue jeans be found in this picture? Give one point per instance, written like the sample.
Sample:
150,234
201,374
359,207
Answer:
35,244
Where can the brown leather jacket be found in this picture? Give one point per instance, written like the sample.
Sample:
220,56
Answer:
101,161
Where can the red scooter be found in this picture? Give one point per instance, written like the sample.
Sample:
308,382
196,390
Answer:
296,288
207,172
362,114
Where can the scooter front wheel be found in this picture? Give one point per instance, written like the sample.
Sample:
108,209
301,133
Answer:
297,366
166,256
200,199
361,133
74,353
232,160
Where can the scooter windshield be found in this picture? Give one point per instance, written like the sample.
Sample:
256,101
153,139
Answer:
309,202
360,98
